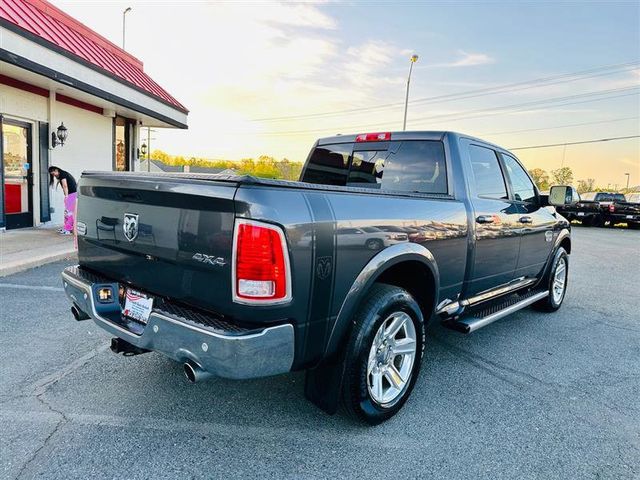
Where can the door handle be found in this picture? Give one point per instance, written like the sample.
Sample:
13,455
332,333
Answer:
526,219
485,219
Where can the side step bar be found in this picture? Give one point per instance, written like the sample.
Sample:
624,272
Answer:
482,318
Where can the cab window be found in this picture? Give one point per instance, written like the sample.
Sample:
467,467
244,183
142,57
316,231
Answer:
328,165
487,174
408,166
523,189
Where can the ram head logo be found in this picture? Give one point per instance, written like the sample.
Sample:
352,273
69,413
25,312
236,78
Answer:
130,226
324,266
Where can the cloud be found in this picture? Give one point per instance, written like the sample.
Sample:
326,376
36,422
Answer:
467,59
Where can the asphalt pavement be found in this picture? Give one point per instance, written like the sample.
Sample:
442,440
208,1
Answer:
534,395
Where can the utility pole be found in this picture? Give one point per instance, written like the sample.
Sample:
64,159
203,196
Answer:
124,19
627,174
414,59
148,149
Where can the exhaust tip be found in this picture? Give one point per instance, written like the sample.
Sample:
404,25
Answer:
190,372
78,314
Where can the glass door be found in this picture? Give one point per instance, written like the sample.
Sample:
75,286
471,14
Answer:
18,174
122,144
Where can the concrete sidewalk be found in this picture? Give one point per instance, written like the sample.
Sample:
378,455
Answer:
26,248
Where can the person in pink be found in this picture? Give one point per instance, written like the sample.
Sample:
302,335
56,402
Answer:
70,188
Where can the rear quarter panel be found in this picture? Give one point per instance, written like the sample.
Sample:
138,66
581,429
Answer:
324,268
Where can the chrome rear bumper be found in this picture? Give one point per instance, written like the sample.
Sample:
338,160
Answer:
230,353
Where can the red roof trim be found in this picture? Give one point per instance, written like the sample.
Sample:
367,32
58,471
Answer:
20,85
78,103
48,25
43,92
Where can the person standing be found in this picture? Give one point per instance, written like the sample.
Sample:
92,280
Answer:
70,188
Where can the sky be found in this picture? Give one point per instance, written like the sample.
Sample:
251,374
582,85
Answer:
272,77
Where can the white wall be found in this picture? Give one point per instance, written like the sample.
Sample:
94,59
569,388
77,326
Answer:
21,104
88,147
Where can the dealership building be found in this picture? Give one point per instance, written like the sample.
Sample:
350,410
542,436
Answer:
71,98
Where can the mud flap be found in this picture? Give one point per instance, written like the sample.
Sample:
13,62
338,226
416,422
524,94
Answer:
323,385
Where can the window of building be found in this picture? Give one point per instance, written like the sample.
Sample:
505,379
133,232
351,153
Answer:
121,148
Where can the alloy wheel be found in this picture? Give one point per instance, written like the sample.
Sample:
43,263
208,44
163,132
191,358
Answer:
391,359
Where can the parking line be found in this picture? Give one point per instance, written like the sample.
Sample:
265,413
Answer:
31,287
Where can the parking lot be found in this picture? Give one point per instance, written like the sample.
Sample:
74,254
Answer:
532,396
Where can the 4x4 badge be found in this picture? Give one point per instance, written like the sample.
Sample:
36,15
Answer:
130,226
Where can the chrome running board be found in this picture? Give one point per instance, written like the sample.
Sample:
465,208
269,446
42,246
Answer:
476,320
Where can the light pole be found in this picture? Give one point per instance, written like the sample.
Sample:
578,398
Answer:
627,181
124,18
414,59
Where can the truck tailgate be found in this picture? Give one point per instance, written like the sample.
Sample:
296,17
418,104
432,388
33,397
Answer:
166,235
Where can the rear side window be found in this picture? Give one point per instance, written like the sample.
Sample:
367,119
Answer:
487,173
328,165
522,185
409,166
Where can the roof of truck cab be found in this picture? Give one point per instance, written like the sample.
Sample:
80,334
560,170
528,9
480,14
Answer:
409,135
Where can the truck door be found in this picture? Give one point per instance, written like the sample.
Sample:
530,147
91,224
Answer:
536,222
496,219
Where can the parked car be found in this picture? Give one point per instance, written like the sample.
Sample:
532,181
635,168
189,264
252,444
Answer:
232,284
627,211
592,208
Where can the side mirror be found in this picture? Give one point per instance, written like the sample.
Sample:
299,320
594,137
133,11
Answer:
561,195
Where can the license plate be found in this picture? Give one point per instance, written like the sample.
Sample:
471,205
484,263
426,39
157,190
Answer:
581,214
630,217
137,305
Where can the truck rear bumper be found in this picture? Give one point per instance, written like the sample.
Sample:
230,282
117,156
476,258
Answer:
185,337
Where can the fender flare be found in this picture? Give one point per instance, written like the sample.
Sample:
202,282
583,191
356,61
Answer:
381,262
564,233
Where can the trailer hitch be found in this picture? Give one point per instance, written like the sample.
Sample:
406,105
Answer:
119,345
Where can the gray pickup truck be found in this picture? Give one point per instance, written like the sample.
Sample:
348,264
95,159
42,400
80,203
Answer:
337,275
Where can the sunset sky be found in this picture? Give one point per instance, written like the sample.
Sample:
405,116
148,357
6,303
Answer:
270,78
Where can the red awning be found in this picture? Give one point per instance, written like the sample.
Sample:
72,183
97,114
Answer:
40,18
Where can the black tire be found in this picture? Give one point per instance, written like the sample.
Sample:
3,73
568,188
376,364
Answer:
552,302
378,306
374,244
633,226
587,222
597,221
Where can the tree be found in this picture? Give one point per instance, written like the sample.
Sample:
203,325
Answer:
562,176
587,185
540,178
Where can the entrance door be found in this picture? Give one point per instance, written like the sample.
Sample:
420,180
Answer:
17,174
122,144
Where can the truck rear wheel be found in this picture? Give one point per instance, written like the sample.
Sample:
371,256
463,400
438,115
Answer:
383,355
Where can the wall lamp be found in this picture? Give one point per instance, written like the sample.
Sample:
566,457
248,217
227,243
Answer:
59,136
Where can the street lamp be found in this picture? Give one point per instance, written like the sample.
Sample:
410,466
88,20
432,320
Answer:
124,17
414,59
627,174
143,149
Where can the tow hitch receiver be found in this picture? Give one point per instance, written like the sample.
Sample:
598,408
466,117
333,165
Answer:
121,346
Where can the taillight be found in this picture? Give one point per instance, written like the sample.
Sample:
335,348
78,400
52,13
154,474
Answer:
261,272
373,137
612,208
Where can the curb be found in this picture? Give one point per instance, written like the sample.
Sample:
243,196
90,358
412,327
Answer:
21,266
